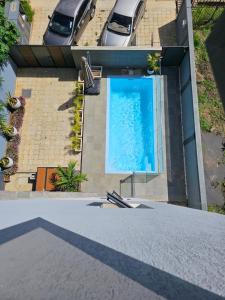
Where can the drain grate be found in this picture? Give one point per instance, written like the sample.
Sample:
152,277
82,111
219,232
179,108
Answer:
26,93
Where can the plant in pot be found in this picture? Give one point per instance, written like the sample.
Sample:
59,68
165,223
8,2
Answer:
78,116
77,129
79,88
6,162
153,63
79,102
76,143
8,130
13,102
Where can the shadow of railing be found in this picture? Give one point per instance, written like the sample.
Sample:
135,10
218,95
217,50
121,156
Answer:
161,283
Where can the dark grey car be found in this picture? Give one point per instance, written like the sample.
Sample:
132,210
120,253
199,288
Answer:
68,21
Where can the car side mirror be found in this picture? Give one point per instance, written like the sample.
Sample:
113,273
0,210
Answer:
134,28
49,17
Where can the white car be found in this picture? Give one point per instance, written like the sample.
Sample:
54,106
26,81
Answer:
122,23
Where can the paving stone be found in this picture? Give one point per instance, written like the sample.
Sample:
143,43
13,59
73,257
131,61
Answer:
41,144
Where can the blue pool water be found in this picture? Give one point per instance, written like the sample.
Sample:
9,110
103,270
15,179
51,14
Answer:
130,136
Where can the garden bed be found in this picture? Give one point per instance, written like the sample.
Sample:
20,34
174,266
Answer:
12,150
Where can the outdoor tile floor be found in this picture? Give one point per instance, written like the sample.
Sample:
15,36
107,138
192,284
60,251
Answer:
156,28
46,126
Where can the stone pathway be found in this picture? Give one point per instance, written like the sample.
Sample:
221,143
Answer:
47,122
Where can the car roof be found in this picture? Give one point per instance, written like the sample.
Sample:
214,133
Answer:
126,7
68,7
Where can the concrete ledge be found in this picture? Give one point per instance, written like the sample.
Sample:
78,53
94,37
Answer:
49,195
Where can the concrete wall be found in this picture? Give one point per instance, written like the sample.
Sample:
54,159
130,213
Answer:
8,73
115,57
194,168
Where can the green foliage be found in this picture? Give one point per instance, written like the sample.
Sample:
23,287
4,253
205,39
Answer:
212,116
197,40
154,62
76,143
68,179
9,35
3,162
79,88
2,113
205,16
79,102
217,209
6,129
205,125
29,12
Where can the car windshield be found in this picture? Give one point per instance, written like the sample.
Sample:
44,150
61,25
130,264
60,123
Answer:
61,24
120,24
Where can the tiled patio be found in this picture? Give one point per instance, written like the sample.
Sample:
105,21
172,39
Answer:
47,125
156,28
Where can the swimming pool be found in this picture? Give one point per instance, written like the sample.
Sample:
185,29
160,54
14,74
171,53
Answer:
131,142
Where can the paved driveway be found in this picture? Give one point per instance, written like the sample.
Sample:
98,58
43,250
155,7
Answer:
156,28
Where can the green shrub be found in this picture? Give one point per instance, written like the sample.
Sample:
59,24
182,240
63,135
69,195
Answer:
217,209
29,12
68,179
204,123
9,35
205,16
197,40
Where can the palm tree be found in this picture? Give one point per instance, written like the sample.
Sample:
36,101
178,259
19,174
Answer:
68,179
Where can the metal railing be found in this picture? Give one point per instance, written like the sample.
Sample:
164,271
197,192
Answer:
196,3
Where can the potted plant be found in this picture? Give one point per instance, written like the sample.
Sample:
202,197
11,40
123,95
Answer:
6,162
13,102
8,130
79,88
77,129
76,143
78,116
153,63
79,102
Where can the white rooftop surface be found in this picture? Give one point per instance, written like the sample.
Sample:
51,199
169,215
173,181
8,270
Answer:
185,247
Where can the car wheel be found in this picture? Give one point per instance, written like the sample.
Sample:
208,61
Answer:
92,13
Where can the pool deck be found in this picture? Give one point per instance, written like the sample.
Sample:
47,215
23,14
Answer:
93,156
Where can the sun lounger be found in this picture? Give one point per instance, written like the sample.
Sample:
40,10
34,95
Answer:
118,200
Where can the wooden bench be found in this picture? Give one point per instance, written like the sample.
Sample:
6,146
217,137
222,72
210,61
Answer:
43,179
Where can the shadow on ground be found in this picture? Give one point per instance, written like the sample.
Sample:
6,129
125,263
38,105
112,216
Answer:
104,263
167,34
174,146
215,45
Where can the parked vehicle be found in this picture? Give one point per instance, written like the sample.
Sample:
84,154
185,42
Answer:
122,23
68,21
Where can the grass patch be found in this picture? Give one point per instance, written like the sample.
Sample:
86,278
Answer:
217,209
212,116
